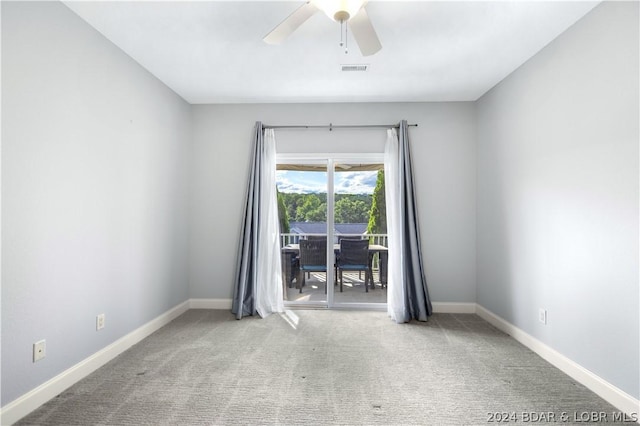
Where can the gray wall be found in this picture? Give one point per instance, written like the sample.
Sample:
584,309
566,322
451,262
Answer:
558,195
443,148
95,193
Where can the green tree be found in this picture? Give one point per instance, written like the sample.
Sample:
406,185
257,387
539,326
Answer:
351,210
291,201
378,215
317,215
283,217
312,209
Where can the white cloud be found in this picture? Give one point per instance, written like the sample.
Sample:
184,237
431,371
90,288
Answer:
310,182
355,182
300,182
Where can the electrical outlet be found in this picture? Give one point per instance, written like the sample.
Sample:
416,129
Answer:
100,322
542,316
39,350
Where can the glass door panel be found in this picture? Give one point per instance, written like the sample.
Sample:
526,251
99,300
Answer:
302,208
360,214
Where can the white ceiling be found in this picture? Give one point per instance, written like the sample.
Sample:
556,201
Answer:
212,51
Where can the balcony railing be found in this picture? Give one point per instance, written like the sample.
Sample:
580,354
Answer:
378,239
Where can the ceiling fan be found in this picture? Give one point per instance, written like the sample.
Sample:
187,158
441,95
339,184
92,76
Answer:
349,12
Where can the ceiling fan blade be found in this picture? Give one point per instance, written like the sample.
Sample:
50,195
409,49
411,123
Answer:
363,32
291,23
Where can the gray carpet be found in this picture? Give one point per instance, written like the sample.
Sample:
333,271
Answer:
321,367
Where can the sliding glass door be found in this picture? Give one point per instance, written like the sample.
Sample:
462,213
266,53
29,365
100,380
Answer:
302,205
360,233
323,200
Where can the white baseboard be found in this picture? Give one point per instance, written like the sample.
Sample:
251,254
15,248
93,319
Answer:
453,308
25,404
210,303
610,393
439,307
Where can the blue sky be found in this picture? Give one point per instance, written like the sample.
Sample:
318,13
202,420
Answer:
308,182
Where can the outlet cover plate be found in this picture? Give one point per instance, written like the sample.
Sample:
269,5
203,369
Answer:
39,350
100,322
542,316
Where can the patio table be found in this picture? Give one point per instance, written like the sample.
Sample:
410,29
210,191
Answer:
294,249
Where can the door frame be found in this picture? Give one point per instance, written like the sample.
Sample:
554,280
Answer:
330,159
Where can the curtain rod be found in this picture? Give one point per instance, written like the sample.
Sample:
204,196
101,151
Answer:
331,126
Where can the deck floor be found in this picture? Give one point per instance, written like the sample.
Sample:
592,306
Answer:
353,290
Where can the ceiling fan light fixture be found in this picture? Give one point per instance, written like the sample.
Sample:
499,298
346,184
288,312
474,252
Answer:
340,10
351,14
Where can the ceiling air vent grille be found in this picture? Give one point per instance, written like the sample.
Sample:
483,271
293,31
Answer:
355,67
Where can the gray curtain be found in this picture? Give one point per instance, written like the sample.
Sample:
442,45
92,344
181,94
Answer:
417,301
244,295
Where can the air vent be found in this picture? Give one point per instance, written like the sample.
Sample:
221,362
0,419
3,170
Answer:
355,67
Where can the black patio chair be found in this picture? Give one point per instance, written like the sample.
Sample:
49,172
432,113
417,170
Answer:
313,258
354,256
346,237
290,268
317,238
